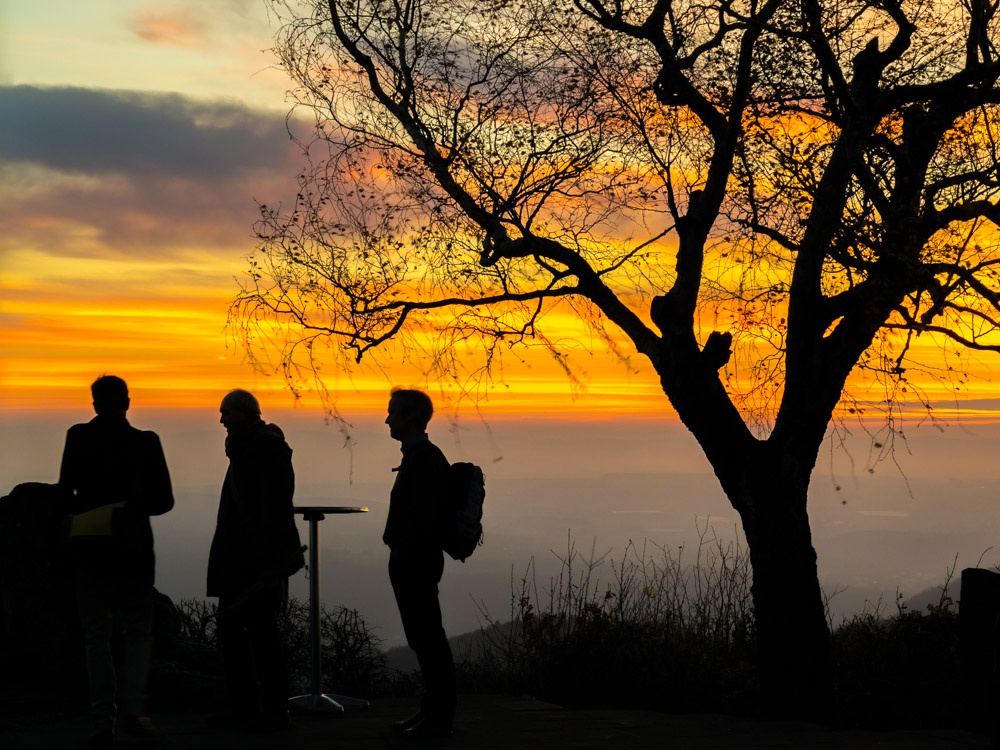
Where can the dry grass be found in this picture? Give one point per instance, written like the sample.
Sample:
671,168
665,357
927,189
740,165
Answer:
659,630
657,627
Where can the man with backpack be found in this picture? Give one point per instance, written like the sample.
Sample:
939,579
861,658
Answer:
419,514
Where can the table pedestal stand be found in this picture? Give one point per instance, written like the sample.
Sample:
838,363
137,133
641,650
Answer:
316,699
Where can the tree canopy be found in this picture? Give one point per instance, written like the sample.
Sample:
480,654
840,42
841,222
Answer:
476,165
759,196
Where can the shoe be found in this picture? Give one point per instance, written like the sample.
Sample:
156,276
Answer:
101,738
139,728
402,726
427,729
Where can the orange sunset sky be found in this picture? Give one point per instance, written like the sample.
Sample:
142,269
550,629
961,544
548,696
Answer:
134,140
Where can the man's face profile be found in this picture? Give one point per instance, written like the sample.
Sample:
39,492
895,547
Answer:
398,421
234,420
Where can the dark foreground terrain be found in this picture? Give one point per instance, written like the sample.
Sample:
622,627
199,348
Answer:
485,722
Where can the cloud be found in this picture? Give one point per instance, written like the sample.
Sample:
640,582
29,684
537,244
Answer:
201,26
96,173
174,28
138,219
141,134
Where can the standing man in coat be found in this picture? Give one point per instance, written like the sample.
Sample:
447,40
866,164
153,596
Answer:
255,549
413,532
114,477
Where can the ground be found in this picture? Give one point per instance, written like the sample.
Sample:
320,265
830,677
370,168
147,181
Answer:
485,722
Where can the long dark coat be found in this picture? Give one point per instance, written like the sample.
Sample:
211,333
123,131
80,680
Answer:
255,532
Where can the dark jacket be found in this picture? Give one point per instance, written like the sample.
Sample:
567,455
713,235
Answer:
106,460
255,532
418,501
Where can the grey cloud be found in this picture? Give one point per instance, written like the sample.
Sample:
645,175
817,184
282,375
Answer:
161,171
150,219
139,134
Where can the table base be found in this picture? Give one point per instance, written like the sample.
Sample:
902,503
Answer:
327,703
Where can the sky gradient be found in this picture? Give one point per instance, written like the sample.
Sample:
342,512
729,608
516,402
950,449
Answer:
135,141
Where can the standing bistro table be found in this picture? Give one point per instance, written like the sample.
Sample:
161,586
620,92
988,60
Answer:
316,700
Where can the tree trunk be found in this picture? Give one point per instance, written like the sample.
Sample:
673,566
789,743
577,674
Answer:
767,483
793,636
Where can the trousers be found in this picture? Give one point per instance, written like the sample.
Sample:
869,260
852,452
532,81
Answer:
414,577
101,599
253,652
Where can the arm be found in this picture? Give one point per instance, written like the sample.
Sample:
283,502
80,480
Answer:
158,496
69,472
278,538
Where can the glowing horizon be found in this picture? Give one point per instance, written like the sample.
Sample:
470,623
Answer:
123,233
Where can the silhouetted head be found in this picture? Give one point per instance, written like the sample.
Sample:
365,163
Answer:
239,410
409,412
110,395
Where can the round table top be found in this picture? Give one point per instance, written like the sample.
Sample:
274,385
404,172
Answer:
327,509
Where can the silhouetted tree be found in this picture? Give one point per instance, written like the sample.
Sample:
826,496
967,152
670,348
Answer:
817,181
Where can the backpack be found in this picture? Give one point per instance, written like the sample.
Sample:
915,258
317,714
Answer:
466,493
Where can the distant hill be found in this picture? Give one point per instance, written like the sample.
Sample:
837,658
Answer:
403,659
930,597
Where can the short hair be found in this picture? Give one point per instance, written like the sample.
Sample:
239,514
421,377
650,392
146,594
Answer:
242,401
110,393
414,404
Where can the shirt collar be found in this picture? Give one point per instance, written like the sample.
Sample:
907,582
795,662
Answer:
407,445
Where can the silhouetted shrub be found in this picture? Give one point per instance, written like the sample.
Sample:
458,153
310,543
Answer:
673,635
900,670
662,633
352,657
